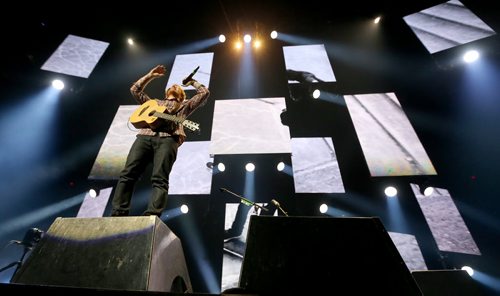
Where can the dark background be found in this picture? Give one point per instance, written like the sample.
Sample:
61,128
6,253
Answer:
453,107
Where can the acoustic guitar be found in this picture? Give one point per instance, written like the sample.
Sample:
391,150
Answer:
148,116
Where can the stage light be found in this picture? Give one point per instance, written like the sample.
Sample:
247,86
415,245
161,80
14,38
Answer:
93,192
280,166
377,20
316,93
247,38
257,43
130,41
221,167
57,84
469,270
184,209
237,44
274,34
471,56
390,191
426,190
250,167
222,38
323,208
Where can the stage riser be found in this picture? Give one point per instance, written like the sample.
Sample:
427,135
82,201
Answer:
349,256
125,253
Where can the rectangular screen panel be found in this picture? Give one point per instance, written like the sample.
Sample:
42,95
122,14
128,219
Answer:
93,207
307,63
447,25
315,166
409,250
190,174
114,149
76,56
185,64
447,225
389,142
249,126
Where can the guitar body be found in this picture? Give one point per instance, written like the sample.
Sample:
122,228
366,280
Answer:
144,116
151,115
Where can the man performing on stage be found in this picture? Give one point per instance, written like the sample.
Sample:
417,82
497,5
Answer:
156,142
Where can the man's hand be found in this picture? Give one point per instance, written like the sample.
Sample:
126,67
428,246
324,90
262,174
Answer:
158,71
188,82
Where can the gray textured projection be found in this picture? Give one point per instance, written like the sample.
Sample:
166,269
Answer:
76,56
315,166
248,126
409,250
234,249
309,58
389,142
93,207
186,63
114,149
190,174
447,25
446,223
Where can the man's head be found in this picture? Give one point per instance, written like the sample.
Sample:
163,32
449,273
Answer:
175,91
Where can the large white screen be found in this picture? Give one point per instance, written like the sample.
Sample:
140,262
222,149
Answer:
315,166
190,174
447,225
76,56
249,126
447,25
309,59
184,64
389,142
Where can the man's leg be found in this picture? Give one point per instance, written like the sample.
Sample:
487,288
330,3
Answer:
137,161
164,158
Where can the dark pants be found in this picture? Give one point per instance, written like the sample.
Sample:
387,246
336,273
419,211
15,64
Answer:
146,149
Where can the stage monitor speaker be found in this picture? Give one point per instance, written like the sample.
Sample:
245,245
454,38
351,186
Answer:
446,282
125,253
323,255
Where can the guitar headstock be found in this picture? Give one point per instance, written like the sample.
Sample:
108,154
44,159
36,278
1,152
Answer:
195,127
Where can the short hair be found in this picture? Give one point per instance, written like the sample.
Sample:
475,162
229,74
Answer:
177,92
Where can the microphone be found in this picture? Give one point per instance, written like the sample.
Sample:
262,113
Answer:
277,204
190,76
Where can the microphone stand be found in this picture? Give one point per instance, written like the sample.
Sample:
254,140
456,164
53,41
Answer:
245,201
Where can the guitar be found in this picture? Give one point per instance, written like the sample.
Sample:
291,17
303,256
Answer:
148,114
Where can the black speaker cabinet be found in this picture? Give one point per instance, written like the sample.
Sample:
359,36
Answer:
320,255
446,282
126,253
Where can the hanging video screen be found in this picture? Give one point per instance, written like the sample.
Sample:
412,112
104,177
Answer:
389,143
447,25
76,56
307,64
185,64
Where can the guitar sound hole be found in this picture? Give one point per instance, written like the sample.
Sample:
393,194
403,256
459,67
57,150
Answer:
142,111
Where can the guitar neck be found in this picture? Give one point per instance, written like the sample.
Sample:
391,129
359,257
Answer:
169,117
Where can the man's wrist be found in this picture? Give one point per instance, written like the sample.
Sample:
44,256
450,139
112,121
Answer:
197,85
